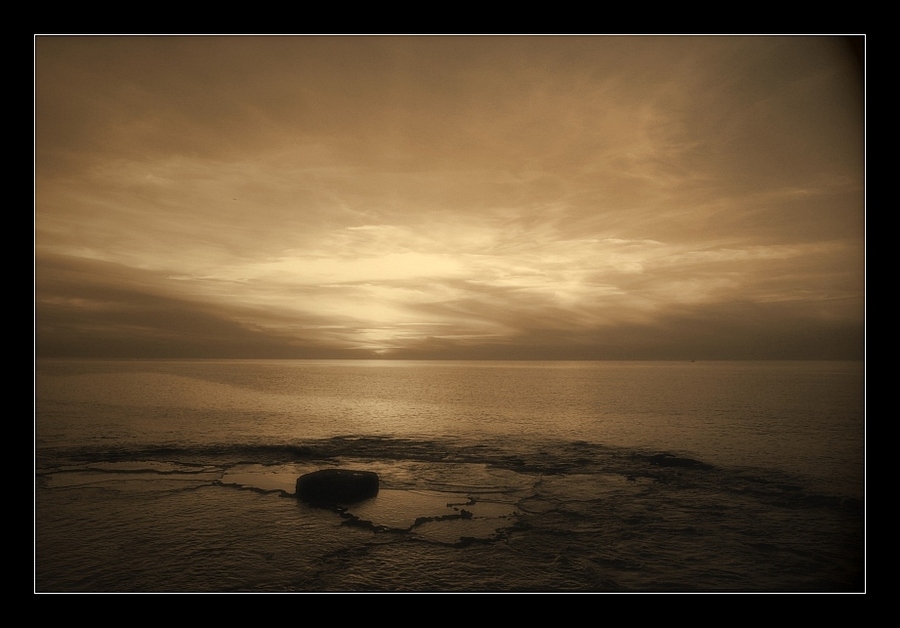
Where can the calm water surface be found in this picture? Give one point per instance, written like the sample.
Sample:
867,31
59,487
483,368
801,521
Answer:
654,475
799,416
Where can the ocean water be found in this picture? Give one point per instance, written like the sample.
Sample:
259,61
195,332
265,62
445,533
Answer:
156,476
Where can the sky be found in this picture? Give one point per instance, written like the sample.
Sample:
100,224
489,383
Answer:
591,197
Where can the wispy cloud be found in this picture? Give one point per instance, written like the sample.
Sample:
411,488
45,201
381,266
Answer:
377,196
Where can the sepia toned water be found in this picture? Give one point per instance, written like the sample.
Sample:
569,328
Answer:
495,476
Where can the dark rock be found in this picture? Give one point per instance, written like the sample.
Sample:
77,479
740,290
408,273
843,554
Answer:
332,486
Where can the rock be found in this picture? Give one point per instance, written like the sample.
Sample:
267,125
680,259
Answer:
332,486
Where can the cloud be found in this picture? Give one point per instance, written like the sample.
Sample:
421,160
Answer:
381,196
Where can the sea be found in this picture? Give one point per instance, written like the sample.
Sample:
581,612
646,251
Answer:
495,477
